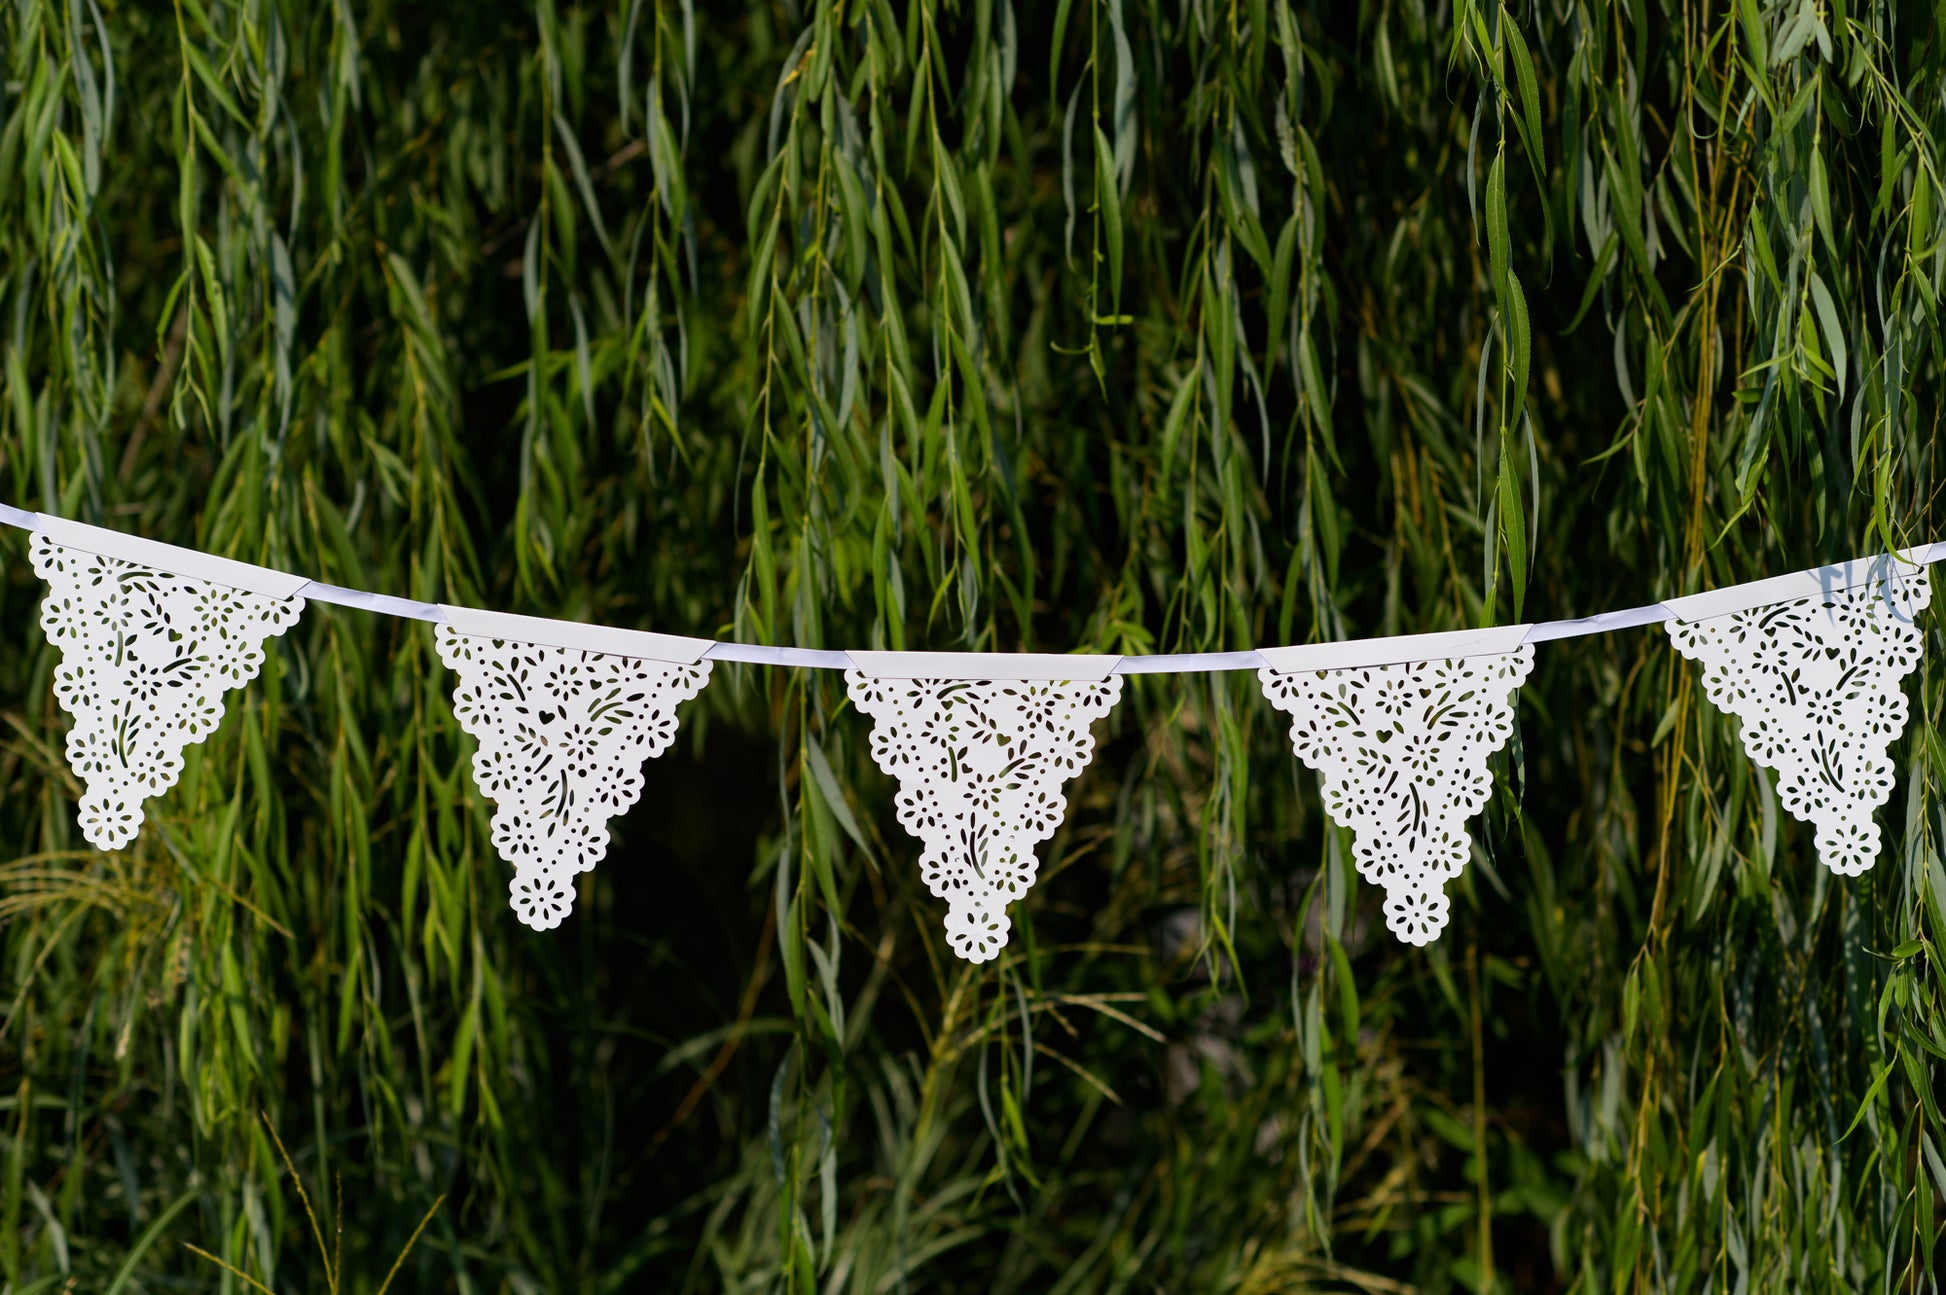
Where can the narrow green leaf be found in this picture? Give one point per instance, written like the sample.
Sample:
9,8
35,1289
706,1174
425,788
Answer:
157,1226
1820,190
1498,244
1109,204
212,83
1172,428
460,1069
1054,47
1280,294
1347,989
1519,349
1834,333
1871,1095
1513,528
1597,276
833,794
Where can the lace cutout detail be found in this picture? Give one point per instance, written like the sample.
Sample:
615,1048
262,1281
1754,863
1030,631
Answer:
146,656
980,766
1402,753
562,738
1815,684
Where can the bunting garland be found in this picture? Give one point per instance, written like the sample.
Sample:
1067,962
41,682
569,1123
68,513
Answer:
981,758
1815,684
146,655
1402,749
562,733
1399,730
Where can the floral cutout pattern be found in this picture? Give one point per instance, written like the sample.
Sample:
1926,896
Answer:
562,738
1402,752
146,656
1816,686
980,766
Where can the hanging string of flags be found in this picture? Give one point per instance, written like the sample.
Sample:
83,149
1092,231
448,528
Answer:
564,715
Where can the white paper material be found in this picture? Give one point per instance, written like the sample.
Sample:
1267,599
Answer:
760,654
1600,623
562,737
1453,645
1401,750
1190,662
540,631
1815,683
167,557
983,665
1818,582
981,763
317,591
146,656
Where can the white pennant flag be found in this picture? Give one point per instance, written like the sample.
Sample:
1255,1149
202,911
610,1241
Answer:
151,636
565,715
1401,743
981,746
1814,679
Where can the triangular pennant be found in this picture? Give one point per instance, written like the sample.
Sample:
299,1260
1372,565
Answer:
562,735
1815,684
1402,752
980,765
146,656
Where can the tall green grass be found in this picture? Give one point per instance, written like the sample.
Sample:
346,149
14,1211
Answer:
1094,325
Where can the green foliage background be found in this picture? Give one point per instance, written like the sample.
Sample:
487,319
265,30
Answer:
1106,325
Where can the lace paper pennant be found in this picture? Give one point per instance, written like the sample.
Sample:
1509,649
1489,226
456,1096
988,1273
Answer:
146,656
1402,752
980,765
1815,685
563,734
